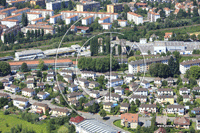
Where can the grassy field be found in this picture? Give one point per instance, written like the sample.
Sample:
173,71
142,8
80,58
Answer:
13,120
63,129
118,124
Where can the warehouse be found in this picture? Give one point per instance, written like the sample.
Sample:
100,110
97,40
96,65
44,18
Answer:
61,51
29,55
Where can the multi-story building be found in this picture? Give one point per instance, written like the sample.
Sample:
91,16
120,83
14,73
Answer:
55,18
143,65
71,19
15,17
42,95
150,108
21,103
8,11
29,54
113,16
122,23
152,16
28,92
185,65
112,97
13,3
87,20
56,5
44,12
35,21
20,11
184,91
9,22
88,6
176,109
3,15
104,20
165,99
141,98
114,8
106,26
33,15
47,28
15,29
129,120
138,19
141,91
165,91
88,74
12,88
74,96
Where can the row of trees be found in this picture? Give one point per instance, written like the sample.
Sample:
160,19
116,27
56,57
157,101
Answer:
97,64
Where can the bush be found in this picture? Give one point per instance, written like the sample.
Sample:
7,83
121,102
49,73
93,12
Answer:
6,112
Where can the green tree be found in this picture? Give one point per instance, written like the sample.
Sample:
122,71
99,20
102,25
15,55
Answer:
41,65
113,51
164,83
132,58
195,72
103,113
119,50
107,45
39,74
24,67
4,68
1,85
24,19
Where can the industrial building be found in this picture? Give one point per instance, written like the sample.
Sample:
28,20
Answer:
29,55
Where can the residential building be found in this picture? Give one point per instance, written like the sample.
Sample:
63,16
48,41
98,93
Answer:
12,88
124,107
107,106
167,36
88,74
196,89
37,2
8,11
20,75
60,112
71,19
56,5
104,20
30,84
30,77
184,91
88,6
196,111
152,16
54,19
129,120
4,95
72,88
21,103
114,8
41,85
111,76
35,21
81,82
42,95
143,66
141,91
137,19
115,82
119,90
150,108
198,122
182,122
185,65
50,77
106,26
185,81
141,98
170,81
93,84
68,78
44,12
5,82
9,22
58,89
176,109
158,81
39,108
160,130
129,78
94,94
165,99
66,72
28,92
165,91
13,3
186,98
122,23
133,86
161,120
87,20
112,97
33,15
145,84
74,96
3,15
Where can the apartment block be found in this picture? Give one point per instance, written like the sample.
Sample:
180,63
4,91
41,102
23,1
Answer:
152,16
13,3
55,18
20,11
56,5
104,20
47,28
15,29
8,11
33,15
87,20
114,8
138,19
35,21
122,23
15,17
3,15
44,12
71,19
88,6
9,22
185,65
106,26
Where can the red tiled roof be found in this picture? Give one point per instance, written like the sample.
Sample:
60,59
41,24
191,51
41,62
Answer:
77,119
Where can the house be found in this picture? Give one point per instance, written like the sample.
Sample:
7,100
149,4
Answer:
50,77
122,23
75,103
165,99
34,72
196,111
72,88
176,109
141,91
186,98
60,112
42,95
90,103
68,78
58,89
5,82
129,120
94,94
9,78
93,84
150,108
153,37
158,81
182,122
12,88
81,82
30,84
30,77
185,81
196,89
119,90
107,106
66,72
170,81
39,108
20,75
88,74
161,120
28,92
57,99
129,78
4,95
168,36
141,98
112,97
165,91
160,130
106,26
184,91
112,76
41,85
198,122
115,82
51,71
145,84
133,86
21,103
74,96
124,107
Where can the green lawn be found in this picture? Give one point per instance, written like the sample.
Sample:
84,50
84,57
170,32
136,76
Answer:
13,120
118,124
198,101
63,129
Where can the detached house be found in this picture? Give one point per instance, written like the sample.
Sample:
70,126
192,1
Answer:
60,112
72,88
112,76
51,71
129,78
150,108
93,84
165,99
119,90
184,91
182,122
186,98
74,96
196,89
158,81
196,111
165,91
4,95
107,106
176,109
145,84
30,84
133,86
66,72
20,75
58,89
81,82
20,103
50,77
115,82
124,107
68,78
39,108
29,77
129,120
170,81
28,92
41,85
43,95
141,91
12,88
88,74
94,94
114,97
141,98
5,82
185,81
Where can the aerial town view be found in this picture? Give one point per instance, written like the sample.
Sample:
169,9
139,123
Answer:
100,66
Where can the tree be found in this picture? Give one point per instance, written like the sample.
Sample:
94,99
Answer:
1,85
107,45
94,47
132,58
164,83
4,68
113,51
193,37
103,113
180,99
119,50
149,52
24,19
195,72
24,67
42,32
39,74
41,65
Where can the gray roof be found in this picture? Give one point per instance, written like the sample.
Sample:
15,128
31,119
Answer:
125,105
183,89
175,106
138,96
32,51
165,89
147,106
74,94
